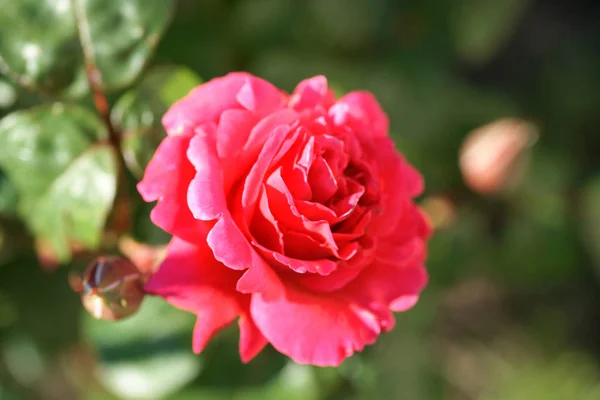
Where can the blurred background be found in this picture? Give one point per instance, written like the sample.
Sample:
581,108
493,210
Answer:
512,310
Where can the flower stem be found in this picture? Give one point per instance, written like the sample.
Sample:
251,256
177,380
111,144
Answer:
121,218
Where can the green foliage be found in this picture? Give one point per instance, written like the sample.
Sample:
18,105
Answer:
8,196
40,41
569,376
64,173
147,355
590,218
138,112
482,27
515,270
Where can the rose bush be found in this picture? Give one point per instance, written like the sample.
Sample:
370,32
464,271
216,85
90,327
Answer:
293,213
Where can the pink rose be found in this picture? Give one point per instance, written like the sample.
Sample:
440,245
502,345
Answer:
293,213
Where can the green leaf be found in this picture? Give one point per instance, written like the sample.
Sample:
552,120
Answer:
481,27
590,219
138,112
6,395
8,95
147,356
8,196
294,382
38,304
564,376
64,173
40,41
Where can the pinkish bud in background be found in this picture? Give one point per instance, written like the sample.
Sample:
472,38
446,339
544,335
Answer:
492,157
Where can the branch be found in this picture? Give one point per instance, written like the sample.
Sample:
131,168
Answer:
122,206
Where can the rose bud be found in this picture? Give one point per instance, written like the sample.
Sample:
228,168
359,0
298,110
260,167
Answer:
111,288
293,215
492,156
440,210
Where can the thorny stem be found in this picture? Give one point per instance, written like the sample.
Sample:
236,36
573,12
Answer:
122,204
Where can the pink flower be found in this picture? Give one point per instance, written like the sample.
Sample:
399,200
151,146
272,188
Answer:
293,214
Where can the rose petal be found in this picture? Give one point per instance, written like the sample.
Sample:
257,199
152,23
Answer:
301,246
233,131
345,272
407,254
190,279
252,184
284,210
166,179
357,223
264,227
314,329
229,245
379,284
296,173
264,129
252,340
315,211
345,202
206,193
361,111
321,267
321,180
300,266
311,93
413,183
260,278
204,104
259,96
332,150
404,303
412,223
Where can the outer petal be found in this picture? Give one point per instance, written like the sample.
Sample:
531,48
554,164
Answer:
166,179
361,111
252,340
206,102
190,279
311,329
259,96
379,285
311,93
260,278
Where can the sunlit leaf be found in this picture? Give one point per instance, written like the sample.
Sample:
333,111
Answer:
138,112
40,41
64,174
8,94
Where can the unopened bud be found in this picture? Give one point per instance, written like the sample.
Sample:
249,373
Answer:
491,157
440,210
111,288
